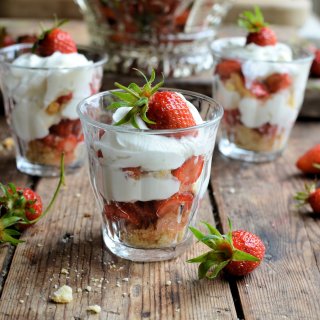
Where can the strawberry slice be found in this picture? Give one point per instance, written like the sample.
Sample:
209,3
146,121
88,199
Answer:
133,172
227,67
259,90
277,82
173,213
190,171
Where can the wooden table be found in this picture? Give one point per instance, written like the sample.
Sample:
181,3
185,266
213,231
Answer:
257,197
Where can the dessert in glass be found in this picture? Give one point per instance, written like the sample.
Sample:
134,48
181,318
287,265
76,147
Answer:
150,156
155,34
260,83
42,85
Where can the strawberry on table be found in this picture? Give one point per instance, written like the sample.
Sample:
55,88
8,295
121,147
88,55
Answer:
259,32
309,162
238,252
22,207
54,39
310,196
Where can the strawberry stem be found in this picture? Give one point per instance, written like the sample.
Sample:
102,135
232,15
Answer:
54,197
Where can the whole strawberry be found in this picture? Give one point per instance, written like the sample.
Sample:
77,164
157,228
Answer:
315,67
309,162
21,207
159,110
310,196
53,40
5,38
238,252
259,32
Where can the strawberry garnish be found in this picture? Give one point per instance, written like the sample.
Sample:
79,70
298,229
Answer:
238,252
169,111
310,196
159,110
315,67
190,170
309,162
53,40
5,38
22,207
259,32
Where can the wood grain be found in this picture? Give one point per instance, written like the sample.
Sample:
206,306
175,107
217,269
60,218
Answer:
259,198
70,237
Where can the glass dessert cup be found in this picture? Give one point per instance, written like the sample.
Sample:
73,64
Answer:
261,101
40,107
159,35
134,173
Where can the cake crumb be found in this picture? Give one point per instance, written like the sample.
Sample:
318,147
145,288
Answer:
64,271
21,301
79,290
125,279
95,308
168,283
88,288
62,295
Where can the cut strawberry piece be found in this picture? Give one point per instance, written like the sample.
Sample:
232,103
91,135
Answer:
259,90
268,129
277,82
67,127
65,98
231,117
190,171
225,68
176,203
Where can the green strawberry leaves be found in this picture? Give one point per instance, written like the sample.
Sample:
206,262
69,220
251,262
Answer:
136,98
253,21
221,254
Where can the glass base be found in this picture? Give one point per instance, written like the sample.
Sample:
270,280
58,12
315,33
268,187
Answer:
232,151
40,170
145,255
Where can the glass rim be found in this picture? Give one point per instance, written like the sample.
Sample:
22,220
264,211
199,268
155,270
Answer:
123,129
308,55
103,57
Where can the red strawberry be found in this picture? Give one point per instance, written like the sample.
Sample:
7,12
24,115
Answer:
249,243
190,170
159,110
309,162
5,38
259,90
311,196
277,82
169,111
315,67
174,204
239,252
53,40
227,67
259,32
21,207
27,38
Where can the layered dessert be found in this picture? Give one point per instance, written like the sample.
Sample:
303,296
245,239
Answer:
260,83
150,182
45,84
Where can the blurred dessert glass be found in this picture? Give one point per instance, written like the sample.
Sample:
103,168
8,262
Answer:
40,97
261,90
170,36
148,183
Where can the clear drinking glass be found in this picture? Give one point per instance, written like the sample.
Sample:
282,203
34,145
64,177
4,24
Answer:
261,101
146,209
40,106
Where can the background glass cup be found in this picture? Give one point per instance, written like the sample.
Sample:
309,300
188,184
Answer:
40,107
146,210
259,113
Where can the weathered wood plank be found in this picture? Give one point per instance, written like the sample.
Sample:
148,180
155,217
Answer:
69,238
259,198
8,173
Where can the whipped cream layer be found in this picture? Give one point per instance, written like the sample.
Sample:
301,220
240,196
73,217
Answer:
257,63
33,90
155,154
